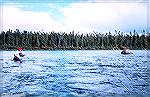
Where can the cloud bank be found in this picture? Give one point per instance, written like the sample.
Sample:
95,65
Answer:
80,17
15,18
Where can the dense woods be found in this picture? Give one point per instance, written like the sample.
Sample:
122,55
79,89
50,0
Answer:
61,40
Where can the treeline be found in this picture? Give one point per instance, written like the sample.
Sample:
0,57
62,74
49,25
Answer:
61,40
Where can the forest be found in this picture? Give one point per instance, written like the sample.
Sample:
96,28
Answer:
30,40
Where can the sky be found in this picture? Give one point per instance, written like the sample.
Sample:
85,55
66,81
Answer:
83,16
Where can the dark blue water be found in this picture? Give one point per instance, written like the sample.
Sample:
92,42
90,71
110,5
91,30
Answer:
81,73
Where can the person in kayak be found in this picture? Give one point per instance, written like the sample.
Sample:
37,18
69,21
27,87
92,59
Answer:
18,55
126,51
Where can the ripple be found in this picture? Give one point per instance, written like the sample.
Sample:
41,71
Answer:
91,74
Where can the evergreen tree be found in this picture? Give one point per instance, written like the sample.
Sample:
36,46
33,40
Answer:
61,40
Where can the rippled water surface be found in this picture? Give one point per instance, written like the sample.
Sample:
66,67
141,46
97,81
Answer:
80,73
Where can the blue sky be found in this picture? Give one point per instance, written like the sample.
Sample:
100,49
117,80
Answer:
82,16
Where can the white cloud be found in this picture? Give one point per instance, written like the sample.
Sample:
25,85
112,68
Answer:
82,17
106,16
15,18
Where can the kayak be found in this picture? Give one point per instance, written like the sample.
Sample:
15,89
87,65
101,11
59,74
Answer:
123,52
16,58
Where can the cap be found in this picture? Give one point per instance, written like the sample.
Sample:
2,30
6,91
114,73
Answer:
19,49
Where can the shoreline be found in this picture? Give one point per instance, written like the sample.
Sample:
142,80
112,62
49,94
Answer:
65,49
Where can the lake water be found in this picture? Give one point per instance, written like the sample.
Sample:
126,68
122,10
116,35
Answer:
76,73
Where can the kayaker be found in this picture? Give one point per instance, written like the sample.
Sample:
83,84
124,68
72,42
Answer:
18,54
126,51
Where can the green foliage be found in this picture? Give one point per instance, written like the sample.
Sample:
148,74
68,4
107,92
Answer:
61,40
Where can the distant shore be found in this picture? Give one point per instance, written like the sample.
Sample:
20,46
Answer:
70,48
29,40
